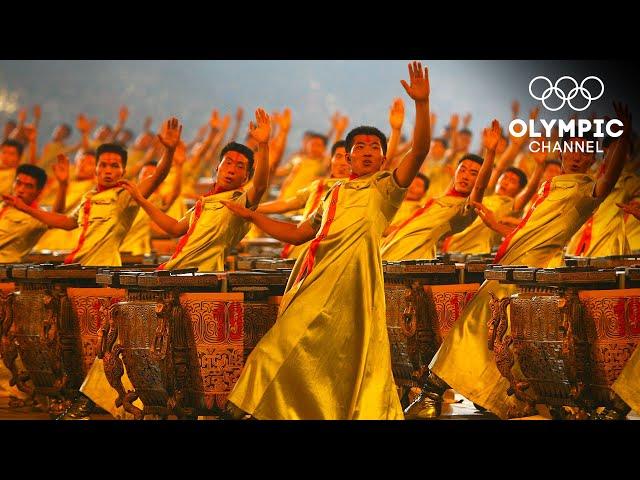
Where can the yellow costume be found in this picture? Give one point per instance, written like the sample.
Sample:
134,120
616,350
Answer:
605,232
439,173
213,230
632,225
407,209
19,232
627,385
327,356
7,176
50,155
57,238
416,237
104,218
312,196
305,170
138,240
464,360
477,237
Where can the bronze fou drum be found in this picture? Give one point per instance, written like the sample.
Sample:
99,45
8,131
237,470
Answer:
572,329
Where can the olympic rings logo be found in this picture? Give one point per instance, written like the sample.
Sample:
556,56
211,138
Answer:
566,98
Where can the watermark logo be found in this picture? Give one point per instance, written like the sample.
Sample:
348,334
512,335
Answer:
556,91
555,96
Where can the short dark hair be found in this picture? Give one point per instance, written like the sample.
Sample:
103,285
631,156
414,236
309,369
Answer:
35,172
337,145
473,157
522,177
364,130
322,137
442,140
150,163
240,148
467,131
15,144
67,127
424,179
112,148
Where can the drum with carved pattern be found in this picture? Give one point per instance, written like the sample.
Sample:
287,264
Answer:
570,330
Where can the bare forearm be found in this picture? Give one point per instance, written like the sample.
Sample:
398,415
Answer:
261,175
392,147
279,206
283,231
59,203
164,221
411,163
532,186
149,185
482,180
55,220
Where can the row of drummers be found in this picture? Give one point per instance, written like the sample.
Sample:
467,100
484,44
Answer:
175,342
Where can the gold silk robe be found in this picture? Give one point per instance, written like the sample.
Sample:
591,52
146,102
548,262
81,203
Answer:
328,354
464,360
57,238
416,238
605,232
632,226
104,219
138,240
19,232
305,170
439,174
7,176
213,230
312,196
477,237
407,209
627,385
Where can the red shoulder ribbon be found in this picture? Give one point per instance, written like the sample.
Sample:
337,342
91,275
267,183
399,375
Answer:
86,208
504,246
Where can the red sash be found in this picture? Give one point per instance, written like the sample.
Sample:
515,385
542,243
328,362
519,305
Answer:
316,201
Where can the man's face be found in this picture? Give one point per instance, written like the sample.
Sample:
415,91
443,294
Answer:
85,166
9,156
26,188
464,142
60,133
146,172
366,155
109,169
233,171
550,171
416,190
340,168
577,162
465,176
315,147
508,184
437,149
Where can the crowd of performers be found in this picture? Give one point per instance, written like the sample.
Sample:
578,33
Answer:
358,197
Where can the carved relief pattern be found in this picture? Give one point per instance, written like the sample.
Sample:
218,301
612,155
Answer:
447,304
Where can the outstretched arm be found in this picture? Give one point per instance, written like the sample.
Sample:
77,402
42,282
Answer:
418,90
490,137
616,154
532,185
165,222
260,131
281,206
55,220
396,119
169,137
61,171
283,231
490,220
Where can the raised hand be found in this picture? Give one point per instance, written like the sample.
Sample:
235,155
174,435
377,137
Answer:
30,132
214,121
123,114
466,120
237,209
83,124
61,168
515,108
396,114
132,188
491,136
342,123
261,130
226,121
534,113
418,86
239,114
15,202
170,132
22,116
284,120
540,157
486,215
202,131
454,121
37,113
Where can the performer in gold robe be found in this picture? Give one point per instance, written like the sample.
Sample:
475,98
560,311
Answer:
10,153
328,356
416,237
310,196
464,361
415,198
209,230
